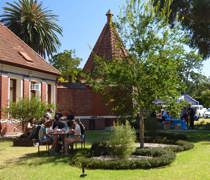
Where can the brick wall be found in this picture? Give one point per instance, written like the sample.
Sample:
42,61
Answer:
4,80
9,127
83,102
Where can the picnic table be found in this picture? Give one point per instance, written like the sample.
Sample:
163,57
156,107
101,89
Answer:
60,134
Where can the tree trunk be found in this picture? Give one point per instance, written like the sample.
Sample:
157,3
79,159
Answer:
141,130
23,123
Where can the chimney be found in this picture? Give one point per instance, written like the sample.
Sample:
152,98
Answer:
109,16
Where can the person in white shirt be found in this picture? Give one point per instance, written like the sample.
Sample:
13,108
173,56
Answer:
74,135
49,114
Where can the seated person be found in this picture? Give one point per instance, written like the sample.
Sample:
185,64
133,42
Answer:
49,113
167,116
167,120
82,128
58,115
57,123
70,117
74,134
43,136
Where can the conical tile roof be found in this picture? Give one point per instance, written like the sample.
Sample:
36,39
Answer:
108,45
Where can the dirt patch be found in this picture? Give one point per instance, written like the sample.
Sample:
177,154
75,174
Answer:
111,158
153,145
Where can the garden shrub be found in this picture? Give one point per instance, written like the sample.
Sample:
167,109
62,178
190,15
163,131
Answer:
100,149
27,109
122,140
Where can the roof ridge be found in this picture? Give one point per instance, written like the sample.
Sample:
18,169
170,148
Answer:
110,29
122,46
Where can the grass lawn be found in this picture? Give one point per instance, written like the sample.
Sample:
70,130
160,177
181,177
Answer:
23,163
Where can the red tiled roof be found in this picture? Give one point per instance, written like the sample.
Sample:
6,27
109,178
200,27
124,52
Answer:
108,45
14,51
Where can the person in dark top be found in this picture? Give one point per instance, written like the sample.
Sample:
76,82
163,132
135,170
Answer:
184,115
70,117
57,123
191,117
58,115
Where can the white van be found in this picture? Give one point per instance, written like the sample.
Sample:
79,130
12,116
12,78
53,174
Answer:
199,110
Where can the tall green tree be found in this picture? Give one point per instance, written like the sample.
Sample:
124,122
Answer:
68,64
156,66
199,88
34,24
194,15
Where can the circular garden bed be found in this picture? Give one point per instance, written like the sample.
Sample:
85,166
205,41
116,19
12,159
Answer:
100,156
154,157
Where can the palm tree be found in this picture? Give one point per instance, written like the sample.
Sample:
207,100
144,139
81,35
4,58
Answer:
34,24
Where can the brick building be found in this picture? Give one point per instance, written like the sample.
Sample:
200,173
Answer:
80,99
23,73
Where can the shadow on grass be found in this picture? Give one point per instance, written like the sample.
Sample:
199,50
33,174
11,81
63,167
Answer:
6,139
36,159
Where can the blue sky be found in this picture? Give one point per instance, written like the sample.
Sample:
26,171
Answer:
82,21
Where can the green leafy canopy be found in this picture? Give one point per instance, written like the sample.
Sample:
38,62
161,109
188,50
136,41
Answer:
157,66
28,109
158,62
68,64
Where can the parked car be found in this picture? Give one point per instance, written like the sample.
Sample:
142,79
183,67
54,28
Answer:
199,110
207,113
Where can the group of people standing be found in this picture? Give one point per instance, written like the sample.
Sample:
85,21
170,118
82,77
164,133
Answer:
188,114
49,129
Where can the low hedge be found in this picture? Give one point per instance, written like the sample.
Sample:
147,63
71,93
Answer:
99,149
166,135
178,139
157,157
181,146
